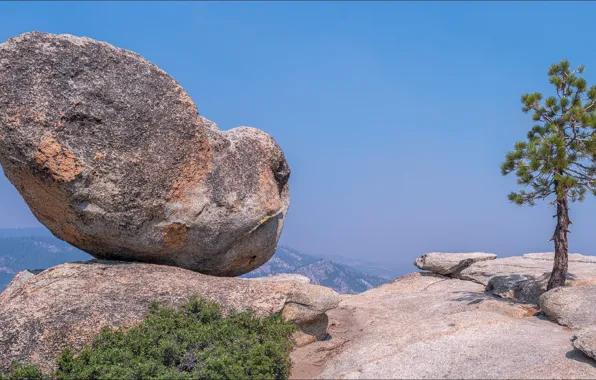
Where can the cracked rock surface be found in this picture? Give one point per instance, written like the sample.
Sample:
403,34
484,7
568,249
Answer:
67,305
111,155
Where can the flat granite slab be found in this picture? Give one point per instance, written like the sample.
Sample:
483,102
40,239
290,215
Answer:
426,326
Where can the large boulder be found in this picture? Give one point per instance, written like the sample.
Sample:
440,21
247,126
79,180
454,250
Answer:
425,326
67,305
110,154
573,306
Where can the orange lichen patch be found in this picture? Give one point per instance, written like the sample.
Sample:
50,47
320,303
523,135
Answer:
73,232
61,162
175,234
581,283
192,171
15,118
99,156
50,204
511,310
267,185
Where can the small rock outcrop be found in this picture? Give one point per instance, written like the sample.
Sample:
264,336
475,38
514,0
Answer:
523,278
573,306
67,305
585,341
521,287
110,153
450,263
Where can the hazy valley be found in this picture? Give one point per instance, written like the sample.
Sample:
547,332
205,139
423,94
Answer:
36,248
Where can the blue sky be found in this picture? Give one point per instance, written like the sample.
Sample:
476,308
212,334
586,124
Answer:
394,116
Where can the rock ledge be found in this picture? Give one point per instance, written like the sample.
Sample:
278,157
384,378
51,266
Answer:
450,263
65,306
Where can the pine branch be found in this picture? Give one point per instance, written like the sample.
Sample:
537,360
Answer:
582,175
559,157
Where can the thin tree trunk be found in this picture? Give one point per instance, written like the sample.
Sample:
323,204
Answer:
559,273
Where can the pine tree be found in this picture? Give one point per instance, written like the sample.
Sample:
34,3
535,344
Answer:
559,158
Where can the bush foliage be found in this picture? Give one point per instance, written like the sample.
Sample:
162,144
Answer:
194,342
24,372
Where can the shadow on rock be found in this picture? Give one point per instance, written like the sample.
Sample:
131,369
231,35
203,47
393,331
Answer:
579,356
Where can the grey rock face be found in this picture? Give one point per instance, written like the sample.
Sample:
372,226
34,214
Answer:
450,263
573,306
67,305
524,288
110,154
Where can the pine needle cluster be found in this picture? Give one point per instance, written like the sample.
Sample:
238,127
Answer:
559,156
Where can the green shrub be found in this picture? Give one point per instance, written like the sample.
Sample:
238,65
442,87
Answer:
23,372
193,342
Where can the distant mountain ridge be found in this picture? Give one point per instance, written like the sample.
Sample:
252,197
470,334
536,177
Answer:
36,248
341,278
33,252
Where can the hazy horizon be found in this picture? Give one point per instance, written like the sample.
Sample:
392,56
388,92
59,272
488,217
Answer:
394,116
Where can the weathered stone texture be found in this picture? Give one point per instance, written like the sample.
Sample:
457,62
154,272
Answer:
110,153
573,306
